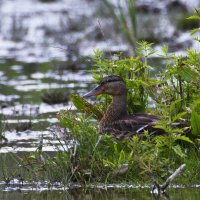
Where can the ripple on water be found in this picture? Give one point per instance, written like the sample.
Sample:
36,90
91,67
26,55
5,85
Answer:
28,141
29,40
8,97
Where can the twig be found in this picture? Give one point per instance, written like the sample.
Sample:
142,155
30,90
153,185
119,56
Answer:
160,189
172,177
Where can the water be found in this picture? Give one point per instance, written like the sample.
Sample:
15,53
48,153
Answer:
44,48
23,86
100,194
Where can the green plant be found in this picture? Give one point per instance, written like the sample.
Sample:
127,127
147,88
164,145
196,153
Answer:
173,90
54,97
91,158
128,21
195,17
2,129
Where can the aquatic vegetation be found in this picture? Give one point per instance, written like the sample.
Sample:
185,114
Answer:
172,92
2,128
195,17
85,107
128,22
20,127
54,97
185,24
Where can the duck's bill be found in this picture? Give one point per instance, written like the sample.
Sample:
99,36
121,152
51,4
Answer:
96,91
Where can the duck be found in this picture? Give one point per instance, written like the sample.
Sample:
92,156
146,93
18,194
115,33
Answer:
116,121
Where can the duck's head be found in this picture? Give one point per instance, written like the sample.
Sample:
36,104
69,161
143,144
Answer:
112,85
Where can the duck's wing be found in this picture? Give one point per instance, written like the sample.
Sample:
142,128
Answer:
133,125
136,123
143,117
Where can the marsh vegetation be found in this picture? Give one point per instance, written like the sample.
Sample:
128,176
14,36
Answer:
49,133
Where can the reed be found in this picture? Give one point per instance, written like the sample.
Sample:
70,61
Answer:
125,16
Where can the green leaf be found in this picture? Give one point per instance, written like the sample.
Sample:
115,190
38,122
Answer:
197,39
132,14
165,49
188,73
121,156
194,31
177,149
85,107
67,119
193,17
195,122
124,24
108,163
178,116
184,138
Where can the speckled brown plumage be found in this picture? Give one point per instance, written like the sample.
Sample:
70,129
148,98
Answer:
115,121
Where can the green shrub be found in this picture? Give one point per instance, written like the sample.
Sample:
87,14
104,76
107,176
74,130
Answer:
174,92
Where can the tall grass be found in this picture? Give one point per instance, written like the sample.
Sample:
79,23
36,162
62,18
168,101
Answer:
125,17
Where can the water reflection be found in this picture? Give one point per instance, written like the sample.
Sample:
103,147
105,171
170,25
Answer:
27,36
98,194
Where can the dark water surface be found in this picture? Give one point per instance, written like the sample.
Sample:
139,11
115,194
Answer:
100,194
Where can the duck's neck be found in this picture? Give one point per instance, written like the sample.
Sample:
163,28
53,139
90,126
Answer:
116,110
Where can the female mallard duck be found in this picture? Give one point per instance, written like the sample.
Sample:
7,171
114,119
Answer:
115,121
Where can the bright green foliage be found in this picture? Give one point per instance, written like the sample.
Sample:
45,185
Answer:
174,92
89,158
195,122
173,88
195,17
83,106
97,158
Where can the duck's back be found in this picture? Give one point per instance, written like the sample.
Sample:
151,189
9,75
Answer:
133,125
